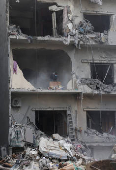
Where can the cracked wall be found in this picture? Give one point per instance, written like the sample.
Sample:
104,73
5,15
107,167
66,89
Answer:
17,79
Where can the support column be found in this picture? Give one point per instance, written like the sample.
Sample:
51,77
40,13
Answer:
54,24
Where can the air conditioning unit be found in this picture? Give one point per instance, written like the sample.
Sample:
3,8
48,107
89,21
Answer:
16,102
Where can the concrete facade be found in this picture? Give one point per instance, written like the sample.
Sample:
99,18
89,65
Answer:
48,54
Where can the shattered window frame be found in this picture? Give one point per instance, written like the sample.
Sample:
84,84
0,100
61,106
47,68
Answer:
93,71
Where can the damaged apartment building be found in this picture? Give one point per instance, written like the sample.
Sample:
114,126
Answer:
62,69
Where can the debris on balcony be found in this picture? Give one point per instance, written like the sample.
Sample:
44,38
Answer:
99,2
83,33
95,84
55,86
93,134
16,31
68,31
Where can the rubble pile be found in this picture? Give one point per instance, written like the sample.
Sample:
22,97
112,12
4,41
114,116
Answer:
103,136
16,31
42,152
82,32
95,84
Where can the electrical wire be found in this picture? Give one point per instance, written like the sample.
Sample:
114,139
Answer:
106,73
35,17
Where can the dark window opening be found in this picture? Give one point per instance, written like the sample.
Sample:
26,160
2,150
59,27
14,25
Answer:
100,23
103,121
103,72
44,19
51,122
34,20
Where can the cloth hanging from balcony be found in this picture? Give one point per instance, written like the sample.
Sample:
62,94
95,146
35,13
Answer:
14,67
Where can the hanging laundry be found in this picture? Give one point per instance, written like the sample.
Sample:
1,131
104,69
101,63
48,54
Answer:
14,67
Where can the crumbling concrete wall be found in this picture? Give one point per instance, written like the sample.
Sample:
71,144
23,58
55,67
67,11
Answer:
41,63
80,59
17,79
68,50
78,9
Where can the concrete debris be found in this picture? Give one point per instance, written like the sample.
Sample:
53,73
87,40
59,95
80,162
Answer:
55,8
85,27
57,137
104,136
76,33
43,152
101,37
99,2
82,33
95,84
50,148
16,31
